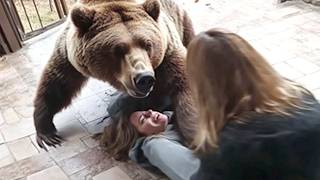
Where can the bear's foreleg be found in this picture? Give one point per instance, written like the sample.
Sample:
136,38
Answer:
59,83
173,74
186,116
188,31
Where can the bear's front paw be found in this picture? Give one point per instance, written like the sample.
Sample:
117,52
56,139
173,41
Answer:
51,139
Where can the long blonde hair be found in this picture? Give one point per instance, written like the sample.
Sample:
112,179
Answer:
229,79
118,137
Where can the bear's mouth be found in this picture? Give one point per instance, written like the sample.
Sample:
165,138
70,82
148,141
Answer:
137,94
133,91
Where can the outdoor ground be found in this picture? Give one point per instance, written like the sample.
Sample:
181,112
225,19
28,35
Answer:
288,35
28,9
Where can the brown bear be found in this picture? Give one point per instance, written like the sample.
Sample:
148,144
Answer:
139,48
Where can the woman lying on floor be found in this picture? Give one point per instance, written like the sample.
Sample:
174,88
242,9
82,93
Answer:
253,123
149,138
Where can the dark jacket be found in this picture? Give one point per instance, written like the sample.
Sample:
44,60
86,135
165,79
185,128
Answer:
268,147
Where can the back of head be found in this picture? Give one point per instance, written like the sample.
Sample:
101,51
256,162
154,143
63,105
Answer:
229,79
118,137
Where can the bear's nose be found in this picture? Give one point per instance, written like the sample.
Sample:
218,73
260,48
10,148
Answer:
144,82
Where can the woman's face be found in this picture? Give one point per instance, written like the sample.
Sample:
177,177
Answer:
149,122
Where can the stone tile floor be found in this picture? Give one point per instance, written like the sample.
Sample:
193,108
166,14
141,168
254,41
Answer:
288,35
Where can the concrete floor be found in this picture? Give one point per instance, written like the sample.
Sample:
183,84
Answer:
288,35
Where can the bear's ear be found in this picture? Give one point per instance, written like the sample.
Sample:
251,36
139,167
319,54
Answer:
82,17
152,7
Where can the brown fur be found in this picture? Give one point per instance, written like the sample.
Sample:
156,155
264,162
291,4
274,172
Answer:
113,41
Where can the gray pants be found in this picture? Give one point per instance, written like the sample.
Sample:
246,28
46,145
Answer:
172,158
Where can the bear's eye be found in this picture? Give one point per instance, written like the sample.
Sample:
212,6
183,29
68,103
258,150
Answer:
121,49
146,44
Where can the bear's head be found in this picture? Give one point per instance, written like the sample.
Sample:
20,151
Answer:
120,42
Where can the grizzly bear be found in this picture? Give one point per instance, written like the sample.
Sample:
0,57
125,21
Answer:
139,48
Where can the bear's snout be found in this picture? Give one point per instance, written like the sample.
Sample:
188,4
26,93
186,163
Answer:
144,82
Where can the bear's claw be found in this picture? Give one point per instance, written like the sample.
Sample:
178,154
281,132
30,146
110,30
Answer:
49,139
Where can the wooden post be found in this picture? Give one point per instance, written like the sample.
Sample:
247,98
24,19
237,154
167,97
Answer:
4,49
10,37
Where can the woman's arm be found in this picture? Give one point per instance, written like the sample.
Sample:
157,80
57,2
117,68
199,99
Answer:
172,158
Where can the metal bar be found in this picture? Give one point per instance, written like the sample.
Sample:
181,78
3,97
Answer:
50,4
25,12
64,7
47,27
35,6
59,8
19,27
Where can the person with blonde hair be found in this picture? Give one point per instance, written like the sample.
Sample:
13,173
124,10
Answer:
253,123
